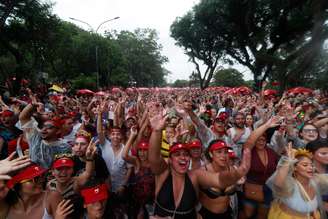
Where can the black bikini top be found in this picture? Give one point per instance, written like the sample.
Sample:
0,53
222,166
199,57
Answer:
213,194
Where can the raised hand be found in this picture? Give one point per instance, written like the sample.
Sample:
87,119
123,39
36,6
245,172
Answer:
9,165
274,121
134,131
290,152
64,209
158,121
91,150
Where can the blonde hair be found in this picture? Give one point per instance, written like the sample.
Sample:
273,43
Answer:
303,153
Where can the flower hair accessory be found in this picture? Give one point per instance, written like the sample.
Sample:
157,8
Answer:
303,152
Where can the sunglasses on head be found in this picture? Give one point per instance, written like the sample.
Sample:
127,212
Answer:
36,180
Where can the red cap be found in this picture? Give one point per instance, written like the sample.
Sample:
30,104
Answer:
143,146
232,154
223,116
63,162
270,92
28,173
178,146
195,144
94,194
57,122
7,113
219,144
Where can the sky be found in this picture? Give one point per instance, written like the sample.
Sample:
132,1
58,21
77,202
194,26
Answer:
133,14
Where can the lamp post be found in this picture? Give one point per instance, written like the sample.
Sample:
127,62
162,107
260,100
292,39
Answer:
95,32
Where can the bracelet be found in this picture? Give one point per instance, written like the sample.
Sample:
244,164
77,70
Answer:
89,159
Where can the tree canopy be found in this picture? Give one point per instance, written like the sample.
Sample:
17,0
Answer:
228,78
280,39
33,40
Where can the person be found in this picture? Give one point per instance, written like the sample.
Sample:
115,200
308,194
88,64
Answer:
95,201
195,148
297,189
256,199
8,131
238,134
120,171
319,149
249,122
215,202
27,199
307,133
79,150
44,143
143,188
176,188
64,182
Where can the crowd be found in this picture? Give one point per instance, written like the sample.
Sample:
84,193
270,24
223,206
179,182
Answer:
164,153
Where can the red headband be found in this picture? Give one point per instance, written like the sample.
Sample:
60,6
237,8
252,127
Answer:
57,122
143,146
218,145
29,172
94,194
178,146
195,144
7,113
63,162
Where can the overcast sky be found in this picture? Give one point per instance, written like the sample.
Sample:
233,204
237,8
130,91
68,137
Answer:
134,14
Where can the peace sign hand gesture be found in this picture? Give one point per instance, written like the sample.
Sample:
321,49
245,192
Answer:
91,150
290,152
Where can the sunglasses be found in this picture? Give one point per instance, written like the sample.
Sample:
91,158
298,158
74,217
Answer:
310,130
36,180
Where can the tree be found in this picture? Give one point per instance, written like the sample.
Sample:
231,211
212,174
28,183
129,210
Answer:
228,78
180,83
142,55
25,27
199,44
280,39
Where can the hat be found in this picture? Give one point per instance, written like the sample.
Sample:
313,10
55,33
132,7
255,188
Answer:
94,194
178,146
7,113
218,144
223,115
28,173
57,122
232,154
143,145
195,144
63,162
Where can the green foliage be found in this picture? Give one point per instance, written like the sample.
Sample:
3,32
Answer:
181,83
85,82
277,39
33,40
228,78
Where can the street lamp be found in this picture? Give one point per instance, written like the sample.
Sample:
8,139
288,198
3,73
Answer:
96,32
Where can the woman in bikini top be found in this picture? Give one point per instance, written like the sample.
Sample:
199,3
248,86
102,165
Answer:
176,187
215,202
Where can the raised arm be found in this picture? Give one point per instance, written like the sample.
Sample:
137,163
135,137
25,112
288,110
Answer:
284,166
89,167
225,178
125,154
157,163
273,122
100,132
